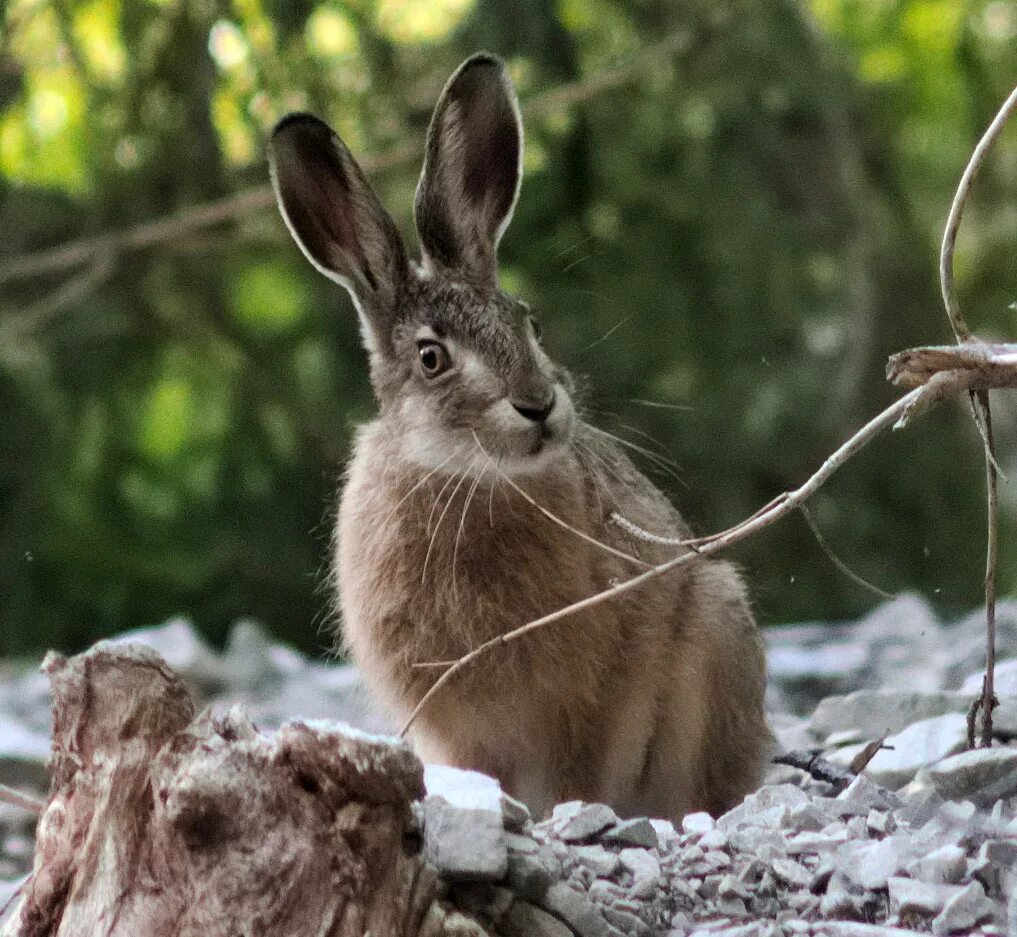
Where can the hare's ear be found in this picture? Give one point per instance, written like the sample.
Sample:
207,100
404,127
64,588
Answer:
472,170
337,220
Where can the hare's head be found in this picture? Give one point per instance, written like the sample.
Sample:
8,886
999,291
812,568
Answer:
456,363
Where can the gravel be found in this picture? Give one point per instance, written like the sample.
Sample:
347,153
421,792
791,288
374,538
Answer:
924,841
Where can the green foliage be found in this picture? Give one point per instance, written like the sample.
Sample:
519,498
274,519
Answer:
729,245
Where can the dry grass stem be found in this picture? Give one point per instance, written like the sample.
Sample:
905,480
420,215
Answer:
837,561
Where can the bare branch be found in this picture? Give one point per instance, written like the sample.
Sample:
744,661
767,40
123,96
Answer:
915,402
960,327
194,218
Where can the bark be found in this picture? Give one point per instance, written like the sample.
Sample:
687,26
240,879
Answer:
162,822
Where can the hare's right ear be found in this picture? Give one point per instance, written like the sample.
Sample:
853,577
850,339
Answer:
337,220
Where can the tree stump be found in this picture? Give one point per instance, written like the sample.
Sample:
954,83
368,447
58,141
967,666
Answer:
166,824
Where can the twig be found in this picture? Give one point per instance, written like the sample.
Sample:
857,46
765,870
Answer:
861,761
25,801
988,700
813,762
912,403
957,323
188,220
837,561
981,411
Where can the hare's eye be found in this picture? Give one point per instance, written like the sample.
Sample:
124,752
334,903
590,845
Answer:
434,359
538,332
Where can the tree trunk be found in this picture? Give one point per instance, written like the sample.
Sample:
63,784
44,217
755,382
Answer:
164,824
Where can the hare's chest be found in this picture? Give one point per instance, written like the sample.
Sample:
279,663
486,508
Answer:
466,550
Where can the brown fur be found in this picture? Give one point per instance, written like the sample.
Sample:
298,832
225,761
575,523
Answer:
653,701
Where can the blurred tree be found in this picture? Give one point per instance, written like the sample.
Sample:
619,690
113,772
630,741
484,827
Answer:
728,242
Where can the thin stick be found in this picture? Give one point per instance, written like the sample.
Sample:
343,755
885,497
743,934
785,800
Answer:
989,701
914,402
194,218
946,281
837,561
25,801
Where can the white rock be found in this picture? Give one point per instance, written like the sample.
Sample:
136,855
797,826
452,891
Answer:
1004,679
698,823
908,896
920,744
986,774
645,870
574,821
963,911
464,836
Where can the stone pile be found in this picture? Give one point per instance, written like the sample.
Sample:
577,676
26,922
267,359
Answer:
923,842
795,858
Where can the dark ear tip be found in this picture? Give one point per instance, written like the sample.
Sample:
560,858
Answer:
483,60
302,121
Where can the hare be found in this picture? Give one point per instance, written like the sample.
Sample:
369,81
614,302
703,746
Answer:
651,702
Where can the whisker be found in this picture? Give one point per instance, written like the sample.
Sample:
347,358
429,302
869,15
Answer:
579,260
437,527
437,498
571,248
660,405
554,517
603,338
459,533
658,460
392,513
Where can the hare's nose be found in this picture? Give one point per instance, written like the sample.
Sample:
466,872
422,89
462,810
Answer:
539,413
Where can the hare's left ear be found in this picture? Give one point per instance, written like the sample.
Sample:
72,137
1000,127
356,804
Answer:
472,170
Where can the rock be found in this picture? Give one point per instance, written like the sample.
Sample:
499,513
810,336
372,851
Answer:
574,821
697,823
248,664
514,813
1004,679
920,744
946,864
645,871
635,832
576,910
997,858
910,897
525,920
870,865
598,860
463,833
791,873
963,911
982,774
875,712
531,874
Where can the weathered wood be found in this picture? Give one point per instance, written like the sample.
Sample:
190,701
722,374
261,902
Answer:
160,823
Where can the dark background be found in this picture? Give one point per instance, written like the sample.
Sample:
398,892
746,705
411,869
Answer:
731,216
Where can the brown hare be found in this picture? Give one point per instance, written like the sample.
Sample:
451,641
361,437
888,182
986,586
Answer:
652,702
